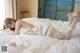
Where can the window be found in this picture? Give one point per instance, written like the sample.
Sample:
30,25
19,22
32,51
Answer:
55,9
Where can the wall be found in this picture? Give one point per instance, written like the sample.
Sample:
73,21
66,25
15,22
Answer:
28,5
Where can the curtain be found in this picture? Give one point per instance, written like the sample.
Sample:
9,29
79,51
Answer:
14,10
7,10
2,13
10,8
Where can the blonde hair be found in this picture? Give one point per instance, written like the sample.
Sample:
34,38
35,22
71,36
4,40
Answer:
7,22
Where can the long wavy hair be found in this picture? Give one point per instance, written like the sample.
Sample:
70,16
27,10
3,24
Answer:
8,22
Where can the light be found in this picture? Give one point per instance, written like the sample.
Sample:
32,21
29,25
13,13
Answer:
2,13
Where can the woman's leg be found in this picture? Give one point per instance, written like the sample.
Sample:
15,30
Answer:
71,26
70,20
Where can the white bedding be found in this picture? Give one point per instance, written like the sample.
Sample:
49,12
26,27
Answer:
59,25
43,44
5,37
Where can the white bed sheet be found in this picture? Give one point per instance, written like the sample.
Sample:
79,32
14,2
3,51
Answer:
5,38
44,44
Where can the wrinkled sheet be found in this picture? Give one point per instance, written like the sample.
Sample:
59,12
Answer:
5,37
44,44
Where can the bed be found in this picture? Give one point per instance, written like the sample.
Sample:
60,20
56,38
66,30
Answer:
42,44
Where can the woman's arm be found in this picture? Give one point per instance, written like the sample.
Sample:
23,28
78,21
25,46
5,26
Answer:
70,19
73,23
17,27
73,17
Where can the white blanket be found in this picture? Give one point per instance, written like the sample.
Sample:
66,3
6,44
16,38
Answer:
5,37
44,44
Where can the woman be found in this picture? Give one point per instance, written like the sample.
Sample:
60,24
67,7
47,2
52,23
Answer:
16,26
47,44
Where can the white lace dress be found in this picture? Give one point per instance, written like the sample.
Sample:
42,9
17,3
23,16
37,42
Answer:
37,30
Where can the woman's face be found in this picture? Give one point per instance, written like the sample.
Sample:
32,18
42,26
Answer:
12,24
